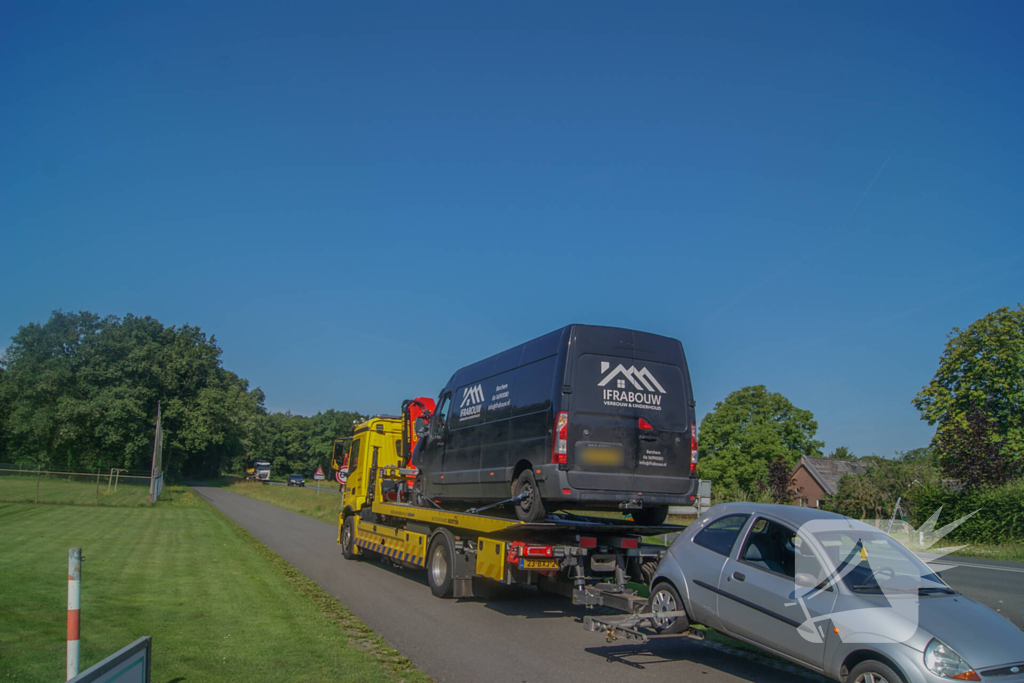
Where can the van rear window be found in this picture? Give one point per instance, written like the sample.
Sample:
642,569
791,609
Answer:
631,388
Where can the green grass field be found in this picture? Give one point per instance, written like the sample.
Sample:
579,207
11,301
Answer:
305,501
219,605
79,490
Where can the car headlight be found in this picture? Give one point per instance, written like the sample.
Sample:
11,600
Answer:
942,660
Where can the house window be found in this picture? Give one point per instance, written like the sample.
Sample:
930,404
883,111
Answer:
803,502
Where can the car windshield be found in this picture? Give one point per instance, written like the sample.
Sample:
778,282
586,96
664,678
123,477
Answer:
872,562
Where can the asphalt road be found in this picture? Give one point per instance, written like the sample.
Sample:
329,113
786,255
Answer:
1000,585
522,635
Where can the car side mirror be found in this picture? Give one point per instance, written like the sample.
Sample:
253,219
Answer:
420,427
806,580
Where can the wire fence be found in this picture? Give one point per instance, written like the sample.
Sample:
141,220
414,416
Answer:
114,488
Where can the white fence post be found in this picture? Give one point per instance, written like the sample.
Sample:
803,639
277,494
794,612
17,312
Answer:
74,609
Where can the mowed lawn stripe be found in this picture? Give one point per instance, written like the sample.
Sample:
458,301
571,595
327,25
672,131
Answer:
218,609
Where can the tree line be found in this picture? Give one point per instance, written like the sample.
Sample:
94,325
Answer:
80,392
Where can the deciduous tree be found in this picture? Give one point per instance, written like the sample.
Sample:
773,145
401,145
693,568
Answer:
981,368
748,431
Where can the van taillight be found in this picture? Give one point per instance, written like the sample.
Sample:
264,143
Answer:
693,449
560,439
644,424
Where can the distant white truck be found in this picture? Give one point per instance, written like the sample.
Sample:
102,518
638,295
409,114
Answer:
262,468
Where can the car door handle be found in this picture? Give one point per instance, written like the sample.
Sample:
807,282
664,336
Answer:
645,437
738,576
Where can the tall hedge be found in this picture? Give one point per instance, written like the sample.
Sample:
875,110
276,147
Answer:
1000,518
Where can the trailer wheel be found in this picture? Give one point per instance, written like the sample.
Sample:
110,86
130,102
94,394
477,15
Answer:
650,516
665,598
440,566
348,538
531,509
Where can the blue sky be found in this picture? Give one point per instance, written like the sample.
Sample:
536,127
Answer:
357,200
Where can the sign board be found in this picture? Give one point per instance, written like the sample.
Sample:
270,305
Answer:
340,478
128,665
319,474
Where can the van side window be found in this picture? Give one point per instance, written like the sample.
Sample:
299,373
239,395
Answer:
534,386
437,423
721,534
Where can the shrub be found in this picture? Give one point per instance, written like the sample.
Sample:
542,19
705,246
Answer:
1000,518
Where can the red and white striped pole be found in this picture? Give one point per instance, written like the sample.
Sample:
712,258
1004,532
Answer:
74,608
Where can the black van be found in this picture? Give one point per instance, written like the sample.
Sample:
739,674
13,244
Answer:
586,416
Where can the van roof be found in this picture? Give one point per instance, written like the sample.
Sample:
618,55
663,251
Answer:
644,343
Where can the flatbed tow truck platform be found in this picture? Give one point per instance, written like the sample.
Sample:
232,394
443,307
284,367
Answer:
591,560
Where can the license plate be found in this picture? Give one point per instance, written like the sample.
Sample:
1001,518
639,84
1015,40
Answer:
602,456
540,564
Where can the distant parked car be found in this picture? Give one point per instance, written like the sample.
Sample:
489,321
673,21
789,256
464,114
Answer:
832,594
296,480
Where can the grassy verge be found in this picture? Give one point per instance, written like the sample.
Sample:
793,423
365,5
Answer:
305,501
78,490
1013,552
219,605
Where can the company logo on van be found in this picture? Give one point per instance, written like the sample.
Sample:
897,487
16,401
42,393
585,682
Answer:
649,389
641,379
472,401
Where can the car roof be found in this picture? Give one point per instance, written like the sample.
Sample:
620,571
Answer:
789,513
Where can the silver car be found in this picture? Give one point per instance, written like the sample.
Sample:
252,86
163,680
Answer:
832,594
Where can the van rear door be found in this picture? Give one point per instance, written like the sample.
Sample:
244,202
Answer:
629,424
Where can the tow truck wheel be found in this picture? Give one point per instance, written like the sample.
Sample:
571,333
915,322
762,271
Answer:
348,538
650,516
665,598
439,567
532,508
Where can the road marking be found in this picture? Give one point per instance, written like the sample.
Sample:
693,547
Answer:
978,566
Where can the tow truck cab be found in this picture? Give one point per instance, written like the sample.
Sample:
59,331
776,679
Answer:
383,432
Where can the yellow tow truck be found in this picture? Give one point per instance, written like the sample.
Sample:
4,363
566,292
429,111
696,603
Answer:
588,559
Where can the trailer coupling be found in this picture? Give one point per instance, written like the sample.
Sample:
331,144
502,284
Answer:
636,627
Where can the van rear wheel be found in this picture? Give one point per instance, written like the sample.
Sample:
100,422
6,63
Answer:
530,509
650,516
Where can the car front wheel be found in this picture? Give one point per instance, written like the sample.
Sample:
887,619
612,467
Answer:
873,671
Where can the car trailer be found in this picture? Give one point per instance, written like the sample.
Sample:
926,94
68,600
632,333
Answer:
590,560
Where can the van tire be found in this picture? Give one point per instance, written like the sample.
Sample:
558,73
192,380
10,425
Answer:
440,567
650,516
348,538
531,509
416,495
